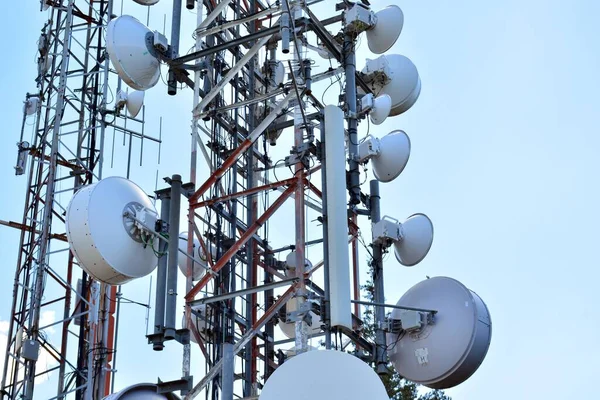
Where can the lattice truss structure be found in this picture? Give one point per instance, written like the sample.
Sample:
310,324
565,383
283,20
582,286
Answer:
258,123
70,120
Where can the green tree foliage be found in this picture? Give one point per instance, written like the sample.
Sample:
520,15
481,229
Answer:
397,387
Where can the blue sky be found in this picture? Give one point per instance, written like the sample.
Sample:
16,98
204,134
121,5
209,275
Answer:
504,159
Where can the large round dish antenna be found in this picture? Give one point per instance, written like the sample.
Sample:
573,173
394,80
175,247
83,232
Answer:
387,29
289,328
142,391
129,46
198,269
396,76
332,375
448,351
107,245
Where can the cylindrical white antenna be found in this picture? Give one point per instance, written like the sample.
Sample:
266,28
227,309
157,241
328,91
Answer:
337,218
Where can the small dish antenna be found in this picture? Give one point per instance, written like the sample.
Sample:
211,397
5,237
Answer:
383,27
132,101
110,230
199,318
387,29
444,349
198,269
412,239
332,375
31,105
396,76
130,46
388,155
147,2
378,107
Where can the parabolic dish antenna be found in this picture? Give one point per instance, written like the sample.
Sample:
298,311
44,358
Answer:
147,2
290,261
289,328
129,44
448,351
402,82
387,29
394,155
199,321
142,391
198,270
328,375
105,243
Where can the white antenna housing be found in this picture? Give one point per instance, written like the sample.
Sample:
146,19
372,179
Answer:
110,247
330,375
129,44
388,155
387,29
396,76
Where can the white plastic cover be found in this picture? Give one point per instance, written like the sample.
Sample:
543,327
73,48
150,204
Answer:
324,375
97,235
129,46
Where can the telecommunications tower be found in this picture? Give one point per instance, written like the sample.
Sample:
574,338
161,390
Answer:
275,198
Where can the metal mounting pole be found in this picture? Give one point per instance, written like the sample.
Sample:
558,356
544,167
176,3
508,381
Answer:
161,274
350,69
378,293
327,319
175,33
172,257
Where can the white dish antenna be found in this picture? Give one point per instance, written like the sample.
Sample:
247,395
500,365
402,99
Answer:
145,391
290,262
448,351
198,269
386,31
394,155
417,238
388,155
289,328
132,101
31,105
147,2
129,44
330,375
199,321
292,352
412,239
396,76
107,245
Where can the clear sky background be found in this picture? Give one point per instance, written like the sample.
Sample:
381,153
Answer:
505,155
